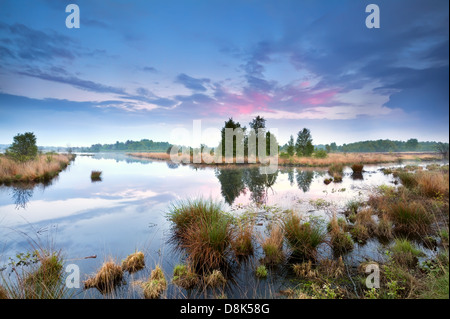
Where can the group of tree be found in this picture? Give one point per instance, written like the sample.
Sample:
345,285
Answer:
411,145
256,132
144,145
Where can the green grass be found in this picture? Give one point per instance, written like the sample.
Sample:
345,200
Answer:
303,237
410,217
203,230
261,271
405,253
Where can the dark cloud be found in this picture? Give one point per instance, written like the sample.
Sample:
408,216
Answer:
192,83
149,69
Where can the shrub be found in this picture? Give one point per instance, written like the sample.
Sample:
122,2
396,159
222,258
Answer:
320,154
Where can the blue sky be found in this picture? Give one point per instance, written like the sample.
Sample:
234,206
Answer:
139,69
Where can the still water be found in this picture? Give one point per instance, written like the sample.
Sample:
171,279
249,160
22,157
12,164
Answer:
126,211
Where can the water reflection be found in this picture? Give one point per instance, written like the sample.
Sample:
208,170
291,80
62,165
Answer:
21,195
235,182
304,179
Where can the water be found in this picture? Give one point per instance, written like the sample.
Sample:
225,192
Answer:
126,211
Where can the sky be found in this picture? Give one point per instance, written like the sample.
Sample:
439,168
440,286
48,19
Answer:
142,69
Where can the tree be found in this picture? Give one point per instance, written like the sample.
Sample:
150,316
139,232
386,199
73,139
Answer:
412,144
304,146
442,148
328,148
258,128
236,143
268,138
333,147
258,123
291,147
23,148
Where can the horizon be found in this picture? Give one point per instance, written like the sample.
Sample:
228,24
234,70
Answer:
138,70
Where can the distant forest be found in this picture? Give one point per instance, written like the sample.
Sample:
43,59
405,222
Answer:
146,145
412,145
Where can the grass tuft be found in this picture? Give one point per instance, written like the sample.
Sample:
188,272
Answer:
134,262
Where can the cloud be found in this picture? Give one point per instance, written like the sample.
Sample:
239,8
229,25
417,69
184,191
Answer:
74,81
192,83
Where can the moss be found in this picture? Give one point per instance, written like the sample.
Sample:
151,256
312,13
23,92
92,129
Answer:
261,272
155,285
184,277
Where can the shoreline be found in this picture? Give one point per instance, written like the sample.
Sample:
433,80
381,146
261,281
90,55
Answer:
294,161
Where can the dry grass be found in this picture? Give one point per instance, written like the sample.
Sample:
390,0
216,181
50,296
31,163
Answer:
333,158
215,279
96,176
42,169
134,262
433,184
340,241
155,285
305,270
107,278
3,293
242,242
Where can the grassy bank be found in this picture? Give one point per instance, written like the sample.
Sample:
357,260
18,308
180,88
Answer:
331,159
42,169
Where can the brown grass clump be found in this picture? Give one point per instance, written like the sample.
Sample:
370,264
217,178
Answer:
273,246
332,268
215,279
357,168
184,277
242,242
107,278
305,270
134,262
410,217
433,184
384,228
3,293
96,176
42,169
156,284
340,241
364,217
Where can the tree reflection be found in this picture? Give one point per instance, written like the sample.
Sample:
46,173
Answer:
21,195
304,179
291,176
231,182
172,165
235,182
